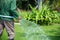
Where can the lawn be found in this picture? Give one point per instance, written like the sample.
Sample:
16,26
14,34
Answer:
52,31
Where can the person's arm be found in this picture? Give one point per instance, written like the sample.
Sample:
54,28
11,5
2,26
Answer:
13,11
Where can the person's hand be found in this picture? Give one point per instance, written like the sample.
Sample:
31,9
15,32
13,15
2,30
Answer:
19,18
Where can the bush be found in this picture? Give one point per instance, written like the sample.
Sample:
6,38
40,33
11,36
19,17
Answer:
42,16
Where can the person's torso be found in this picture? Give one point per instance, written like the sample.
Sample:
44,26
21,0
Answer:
5,4
4,8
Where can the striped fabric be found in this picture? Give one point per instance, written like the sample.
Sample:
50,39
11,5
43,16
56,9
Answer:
9,25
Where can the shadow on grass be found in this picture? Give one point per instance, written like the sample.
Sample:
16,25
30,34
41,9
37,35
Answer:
54,37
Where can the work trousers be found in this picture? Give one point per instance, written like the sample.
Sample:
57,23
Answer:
9,25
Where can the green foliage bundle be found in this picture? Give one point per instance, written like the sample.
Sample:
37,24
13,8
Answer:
43,16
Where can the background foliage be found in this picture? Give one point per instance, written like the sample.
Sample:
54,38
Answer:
46,15
54,4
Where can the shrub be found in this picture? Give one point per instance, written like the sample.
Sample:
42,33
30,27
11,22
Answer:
42,16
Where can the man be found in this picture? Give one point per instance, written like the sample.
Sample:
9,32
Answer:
7,13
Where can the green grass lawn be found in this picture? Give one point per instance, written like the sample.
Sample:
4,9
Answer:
53,31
